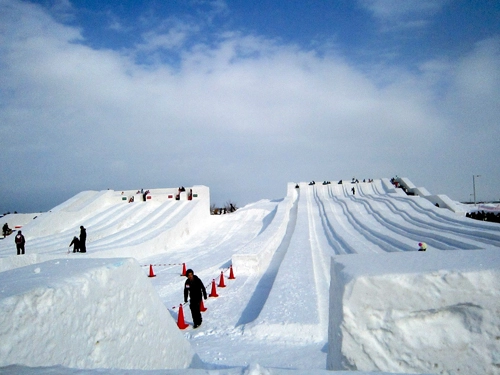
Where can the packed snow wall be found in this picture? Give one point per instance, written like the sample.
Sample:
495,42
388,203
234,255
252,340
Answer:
87,313
257,255
416,312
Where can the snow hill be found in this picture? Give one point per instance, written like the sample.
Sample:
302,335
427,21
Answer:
324,280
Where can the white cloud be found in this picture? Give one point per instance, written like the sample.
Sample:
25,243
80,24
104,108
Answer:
243,116
403,14
173,38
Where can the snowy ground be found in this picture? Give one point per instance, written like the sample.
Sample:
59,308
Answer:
281,313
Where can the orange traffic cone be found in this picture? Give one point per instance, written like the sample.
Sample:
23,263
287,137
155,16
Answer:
183,269
231,274
202,307
213,293
221,281
180,319
151,273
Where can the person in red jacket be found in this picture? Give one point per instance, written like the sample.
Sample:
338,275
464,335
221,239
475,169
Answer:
195,289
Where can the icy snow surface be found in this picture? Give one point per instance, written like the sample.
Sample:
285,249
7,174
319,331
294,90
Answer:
388,308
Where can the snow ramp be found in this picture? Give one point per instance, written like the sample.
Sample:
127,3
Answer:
315,222
89,313
118,226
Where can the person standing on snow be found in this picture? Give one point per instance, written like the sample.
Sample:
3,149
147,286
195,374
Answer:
83,238
20,241
195,289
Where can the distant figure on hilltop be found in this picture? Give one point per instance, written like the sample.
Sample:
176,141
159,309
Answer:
83,238
20,241
76,244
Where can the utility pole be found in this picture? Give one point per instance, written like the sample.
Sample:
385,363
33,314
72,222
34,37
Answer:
474,186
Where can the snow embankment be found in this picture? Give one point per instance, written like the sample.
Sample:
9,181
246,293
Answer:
87,313
256,256
412,312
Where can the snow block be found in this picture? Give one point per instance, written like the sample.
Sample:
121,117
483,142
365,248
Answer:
87,313
416,312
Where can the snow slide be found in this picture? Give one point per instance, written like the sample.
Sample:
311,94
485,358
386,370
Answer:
102,313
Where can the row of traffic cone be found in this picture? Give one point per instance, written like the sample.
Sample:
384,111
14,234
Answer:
221,283
180,318
152,274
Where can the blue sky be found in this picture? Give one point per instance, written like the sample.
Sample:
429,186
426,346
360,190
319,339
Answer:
246,96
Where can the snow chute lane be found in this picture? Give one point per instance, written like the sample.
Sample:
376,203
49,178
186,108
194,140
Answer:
148,230
335,231
261,293
118,218
441,234
405,228
424,215
151,214
287,309
100,224
413,218
368,227
76,201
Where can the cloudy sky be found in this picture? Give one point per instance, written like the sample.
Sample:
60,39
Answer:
245,96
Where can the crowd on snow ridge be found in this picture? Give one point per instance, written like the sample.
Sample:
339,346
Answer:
353,181
484,216
223,210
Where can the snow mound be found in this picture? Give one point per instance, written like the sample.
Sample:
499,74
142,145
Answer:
87,313
416,312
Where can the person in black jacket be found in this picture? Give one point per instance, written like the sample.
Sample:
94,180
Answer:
20,241
83,238
76,244
6,230
195,289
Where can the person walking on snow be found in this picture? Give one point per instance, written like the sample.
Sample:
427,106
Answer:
20,241
83,238
353,191
195,289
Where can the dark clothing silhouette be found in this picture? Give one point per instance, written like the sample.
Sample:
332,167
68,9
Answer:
83,238
196,290
76,244
6,230
20,241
